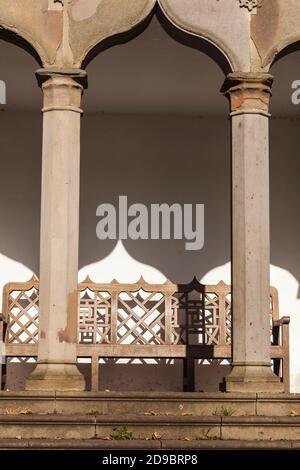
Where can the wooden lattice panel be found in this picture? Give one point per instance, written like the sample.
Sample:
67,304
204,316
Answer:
94,323
133,314
228,319
141,318
23,321
204,314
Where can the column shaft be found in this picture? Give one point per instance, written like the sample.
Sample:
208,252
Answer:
249,98
58,302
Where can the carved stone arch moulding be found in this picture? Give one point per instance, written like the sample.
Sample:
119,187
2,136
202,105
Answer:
224,24
33,23
91,24
275,30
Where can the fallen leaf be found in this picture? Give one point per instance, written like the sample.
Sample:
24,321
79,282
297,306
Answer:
156,436
17,411
294,413
25,411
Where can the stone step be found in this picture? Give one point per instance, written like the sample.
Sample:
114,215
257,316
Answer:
186,428
175,404
141,444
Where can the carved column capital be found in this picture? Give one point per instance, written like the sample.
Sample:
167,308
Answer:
62,88
248,93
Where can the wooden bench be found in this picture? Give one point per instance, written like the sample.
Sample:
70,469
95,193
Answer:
142,320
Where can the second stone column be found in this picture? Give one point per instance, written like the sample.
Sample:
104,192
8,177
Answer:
249,96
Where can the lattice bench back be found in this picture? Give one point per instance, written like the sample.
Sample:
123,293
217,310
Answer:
132,314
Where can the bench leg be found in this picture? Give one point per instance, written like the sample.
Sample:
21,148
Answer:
1,376
286,358
189,374
95,374
276,366
286,374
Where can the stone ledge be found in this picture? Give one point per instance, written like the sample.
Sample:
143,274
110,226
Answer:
170,403
97,444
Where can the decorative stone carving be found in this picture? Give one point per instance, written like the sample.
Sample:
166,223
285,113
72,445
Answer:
248,93
251,4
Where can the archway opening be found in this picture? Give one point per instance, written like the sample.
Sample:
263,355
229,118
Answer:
20,178
155,130
285,193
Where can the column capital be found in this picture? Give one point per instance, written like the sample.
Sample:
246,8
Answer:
78,75
62,88
248,92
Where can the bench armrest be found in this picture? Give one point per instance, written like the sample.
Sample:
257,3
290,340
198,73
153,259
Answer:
282,321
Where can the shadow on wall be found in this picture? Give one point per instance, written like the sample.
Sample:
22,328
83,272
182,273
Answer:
20,186
155,159
152,160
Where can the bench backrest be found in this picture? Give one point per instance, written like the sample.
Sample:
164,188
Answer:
136,314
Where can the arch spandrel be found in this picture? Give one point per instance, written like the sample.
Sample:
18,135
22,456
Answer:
36,23
93,21
222,22
275,26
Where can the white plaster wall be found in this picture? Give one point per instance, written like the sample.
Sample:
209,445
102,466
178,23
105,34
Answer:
151,159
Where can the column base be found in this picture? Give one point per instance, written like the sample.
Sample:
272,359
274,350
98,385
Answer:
253,378
54,376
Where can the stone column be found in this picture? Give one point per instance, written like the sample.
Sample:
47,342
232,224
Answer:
56,368
249,95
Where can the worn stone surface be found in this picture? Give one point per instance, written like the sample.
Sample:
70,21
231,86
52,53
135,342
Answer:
63,33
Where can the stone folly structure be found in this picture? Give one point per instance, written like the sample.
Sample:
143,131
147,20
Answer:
244,37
